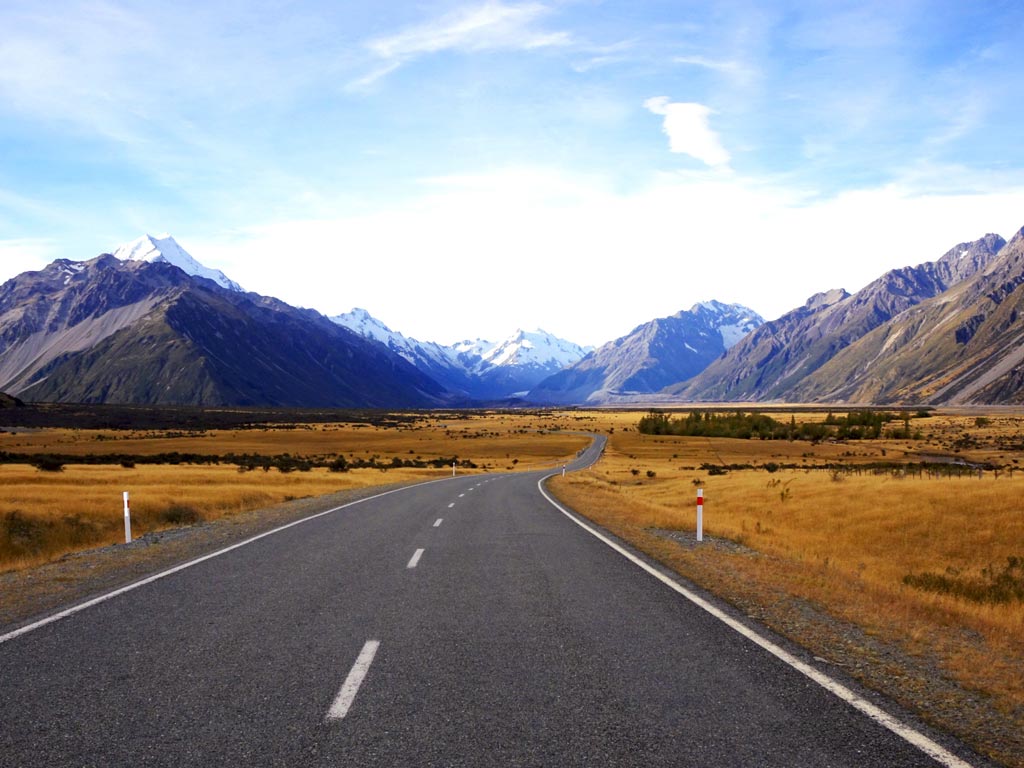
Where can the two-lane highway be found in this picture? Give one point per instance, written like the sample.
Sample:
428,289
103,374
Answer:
464,622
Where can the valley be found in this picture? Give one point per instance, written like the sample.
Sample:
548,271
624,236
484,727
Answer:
894,558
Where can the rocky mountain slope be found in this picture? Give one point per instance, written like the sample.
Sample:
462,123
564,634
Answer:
140,331
965,345
652,356
478,369
773,362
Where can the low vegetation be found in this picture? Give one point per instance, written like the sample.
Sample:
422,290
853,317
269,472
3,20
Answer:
62,485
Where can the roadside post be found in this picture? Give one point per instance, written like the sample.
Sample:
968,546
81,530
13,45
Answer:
700,514
563,470
453,469
127,520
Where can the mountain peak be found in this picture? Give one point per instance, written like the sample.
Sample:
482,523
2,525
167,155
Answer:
827,298
164,248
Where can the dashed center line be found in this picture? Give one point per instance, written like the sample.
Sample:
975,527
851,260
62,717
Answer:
437,523
349,689
451,505
415,558
461,495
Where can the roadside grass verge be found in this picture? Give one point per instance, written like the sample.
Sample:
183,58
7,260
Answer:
46,515
51,504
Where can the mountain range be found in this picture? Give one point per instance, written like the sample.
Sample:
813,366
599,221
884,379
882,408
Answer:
479,369
943,331
151,324
109,330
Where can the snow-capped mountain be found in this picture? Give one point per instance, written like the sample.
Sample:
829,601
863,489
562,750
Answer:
111,330
538,349
652,356
480,369
435,360
166,249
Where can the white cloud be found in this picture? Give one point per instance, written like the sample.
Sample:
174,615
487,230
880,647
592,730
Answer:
490,26
740,73
486,253
24,255
688,130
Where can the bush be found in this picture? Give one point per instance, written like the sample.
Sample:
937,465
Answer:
180,514
48,464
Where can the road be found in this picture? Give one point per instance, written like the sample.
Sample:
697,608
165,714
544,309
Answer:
464,622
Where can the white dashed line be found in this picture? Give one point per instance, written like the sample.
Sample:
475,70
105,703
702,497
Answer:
349,689
461,495
415,559
183,566
437,524
451,505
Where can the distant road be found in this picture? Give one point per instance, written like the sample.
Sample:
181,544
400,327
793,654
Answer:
464,622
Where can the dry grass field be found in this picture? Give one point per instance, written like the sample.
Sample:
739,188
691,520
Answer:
931,562
46,514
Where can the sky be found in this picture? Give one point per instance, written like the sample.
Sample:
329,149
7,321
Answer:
463,169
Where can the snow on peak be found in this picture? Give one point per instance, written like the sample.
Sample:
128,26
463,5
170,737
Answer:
733,321
528,349
534,348
166,249
365,324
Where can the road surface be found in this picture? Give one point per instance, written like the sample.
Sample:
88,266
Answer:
463,622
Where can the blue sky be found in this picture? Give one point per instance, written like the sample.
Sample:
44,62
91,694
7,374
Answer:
466,168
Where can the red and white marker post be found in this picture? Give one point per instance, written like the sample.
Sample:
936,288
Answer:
127,520
700,514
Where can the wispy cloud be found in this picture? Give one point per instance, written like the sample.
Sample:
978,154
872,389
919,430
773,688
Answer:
688,130
487,27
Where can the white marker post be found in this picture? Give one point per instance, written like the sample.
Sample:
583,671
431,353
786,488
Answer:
127,520
700,514
563,470
453,469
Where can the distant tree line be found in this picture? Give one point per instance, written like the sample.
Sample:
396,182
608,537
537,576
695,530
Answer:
55,462
856,425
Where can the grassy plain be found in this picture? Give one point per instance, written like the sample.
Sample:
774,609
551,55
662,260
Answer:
46,514
844,532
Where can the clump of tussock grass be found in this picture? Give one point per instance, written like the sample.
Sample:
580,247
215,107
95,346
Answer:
991,586
181,514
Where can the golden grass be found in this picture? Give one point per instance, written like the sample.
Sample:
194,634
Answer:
491,440
44,515
842,541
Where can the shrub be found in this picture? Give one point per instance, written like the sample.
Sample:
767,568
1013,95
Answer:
48,464
180,514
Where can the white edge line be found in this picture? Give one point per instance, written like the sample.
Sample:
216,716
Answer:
914,737
181,567
349,689
415,560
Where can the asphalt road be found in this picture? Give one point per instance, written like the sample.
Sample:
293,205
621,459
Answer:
464,622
